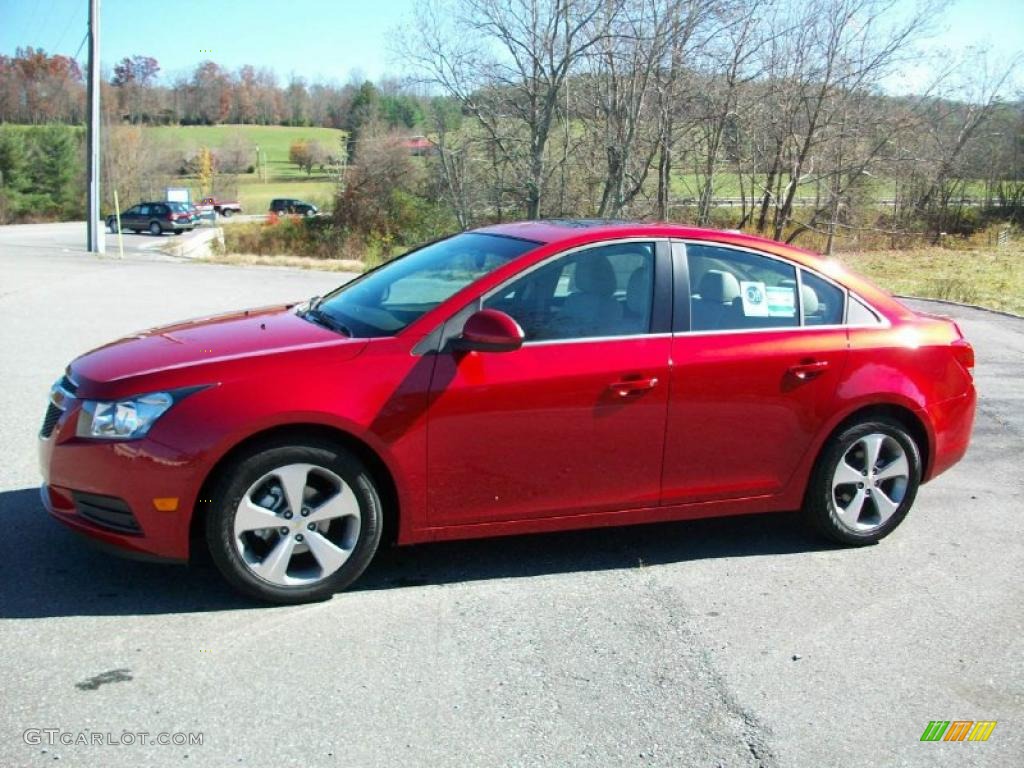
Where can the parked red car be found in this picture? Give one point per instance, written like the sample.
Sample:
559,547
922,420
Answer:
515,379
225,208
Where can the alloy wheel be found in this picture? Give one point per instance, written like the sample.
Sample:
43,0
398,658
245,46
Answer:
297,525
870,482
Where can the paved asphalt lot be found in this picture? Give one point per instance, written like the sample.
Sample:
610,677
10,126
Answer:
732,642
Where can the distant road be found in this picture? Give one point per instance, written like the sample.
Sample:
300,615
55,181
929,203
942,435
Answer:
70,236
809,202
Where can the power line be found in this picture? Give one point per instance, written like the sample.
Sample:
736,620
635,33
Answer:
33,24
72,17
44,19
80,46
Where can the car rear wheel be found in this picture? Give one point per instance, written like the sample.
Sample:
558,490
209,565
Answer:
294,523
226,213
864,483
154,229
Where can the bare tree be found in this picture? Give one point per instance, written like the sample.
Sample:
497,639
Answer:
506,62
821,54
621,83
952,127
730,64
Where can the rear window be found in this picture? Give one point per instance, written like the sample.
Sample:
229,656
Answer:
732,289
822,302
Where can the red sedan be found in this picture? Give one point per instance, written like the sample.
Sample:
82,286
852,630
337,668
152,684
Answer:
519,378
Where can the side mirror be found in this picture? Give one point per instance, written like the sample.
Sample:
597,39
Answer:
490,331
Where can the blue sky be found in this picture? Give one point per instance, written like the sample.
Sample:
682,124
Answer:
330,39
325,39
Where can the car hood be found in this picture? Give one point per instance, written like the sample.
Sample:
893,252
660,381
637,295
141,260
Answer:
172,353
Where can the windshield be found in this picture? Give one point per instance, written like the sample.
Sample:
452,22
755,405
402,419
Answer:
383,302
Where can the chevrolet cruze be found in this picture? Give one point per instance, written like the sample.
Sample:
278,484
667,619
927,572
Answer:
520,378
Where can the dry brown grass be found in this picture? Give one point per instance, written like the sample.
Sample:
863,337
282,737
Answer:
976,274
973,272
293,262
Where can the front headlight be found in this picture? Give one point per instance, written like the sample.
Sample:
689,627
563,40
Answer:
126,419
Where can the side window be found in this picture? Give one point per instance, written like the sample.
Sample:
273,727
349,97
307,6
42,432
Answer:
602,291
821,301
143,210
732,289
859,314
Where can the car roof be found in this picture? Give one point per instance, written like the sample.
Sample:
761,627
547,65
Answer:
569,233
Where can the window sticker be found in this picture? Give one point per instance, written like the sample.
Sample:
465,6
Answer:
781,301
754,296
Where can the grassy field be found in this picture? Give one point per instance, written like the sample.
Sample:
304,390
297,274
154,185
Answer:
687,185
985,276
283,178
255,196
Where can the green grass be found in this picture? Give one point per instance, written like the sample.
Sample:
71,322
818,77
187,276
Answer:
728,185
274,140
986,276
255,196
284,178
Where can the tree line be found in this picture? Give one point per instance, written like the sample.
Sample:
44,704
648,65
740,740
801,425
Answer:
39,88
770,115
663,107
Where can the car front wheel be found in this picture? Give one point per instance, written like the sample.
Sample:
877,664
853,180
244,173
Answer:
294,523
864,483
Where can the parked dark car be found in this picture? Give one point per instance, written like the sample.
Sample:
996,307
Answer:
156,218
284,206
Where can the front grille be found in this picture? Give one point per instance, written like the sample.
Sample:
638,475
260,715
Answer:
60,394
50,420
107,511
68,385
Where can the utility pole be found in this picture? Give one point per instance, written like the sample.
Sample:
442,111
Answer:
97,241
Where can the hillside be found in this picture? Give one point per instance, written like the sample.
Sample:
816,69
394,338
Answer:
284,178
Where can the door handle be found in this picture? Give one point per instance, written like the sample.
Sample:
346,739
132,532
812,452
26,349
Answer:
630,386
809,370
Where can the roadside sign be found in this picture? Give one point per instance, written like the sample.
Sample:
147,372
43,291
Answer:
179,195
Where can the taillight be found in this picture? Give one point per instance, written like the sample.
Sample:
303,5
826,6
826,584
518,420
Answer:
964,353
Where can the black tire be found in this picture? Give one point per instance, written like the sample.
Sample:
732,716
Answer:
250,467
820,508
155,228
226,213
178,231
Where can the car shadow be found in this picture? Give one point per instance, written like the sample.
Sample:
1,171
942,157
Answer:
46,570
